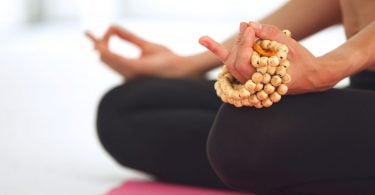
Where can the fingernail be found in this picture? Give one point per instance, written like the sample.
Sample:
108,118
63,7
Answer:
204,43
244,25
247,31
256,25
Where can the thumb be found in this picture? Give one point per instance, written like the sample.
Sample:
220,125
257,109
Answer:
270,32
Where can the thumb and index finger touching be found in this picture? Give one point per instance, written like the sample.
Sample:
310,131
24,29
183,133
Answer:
120,32
109,57
125,35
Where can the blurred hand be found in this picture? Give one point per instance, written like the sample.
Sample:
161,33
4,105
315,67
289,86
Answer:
307,72
155,59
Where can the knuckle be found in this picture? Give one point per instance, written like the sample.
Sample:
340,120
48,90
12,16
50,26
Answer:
114,26
242,43
273,30
238,67
239,39
214,48
230,66
241,68
102,58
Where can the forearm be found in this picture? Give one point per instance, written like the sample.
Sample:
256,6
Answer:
355,55
305,17
302,17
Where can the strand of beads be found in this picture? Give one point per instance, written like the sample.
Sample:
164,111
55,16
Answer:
267,83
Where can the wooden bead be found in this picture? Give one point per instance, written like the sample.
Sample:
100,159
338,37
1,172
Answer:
230,100
282,89
217,85
221,74
286,79
263,61
238,103
281,70
265,44
246,102
228,90
267,103
271,70
244,93
219,92
255,59
258,105
258,41
261,95
221,84
226,84
224,98
258,86
228,76
285,63
237,86
287,33
257,77
275,97
276,81
236,95
273,45
283,48
281,55
266,78
224,69
250,86
253,99
262,70
225,88
229,94
273,61
268,88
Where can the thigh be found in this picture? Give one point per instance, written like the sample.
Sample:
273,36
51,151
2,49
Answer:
160,126
152,92
147,95
304,139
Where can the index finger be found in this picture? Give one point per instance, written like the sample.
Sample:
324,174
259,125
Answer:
124,34
91,36
216,48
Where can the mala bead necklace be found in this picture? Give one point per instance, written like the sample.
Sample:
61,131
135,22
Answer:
267,83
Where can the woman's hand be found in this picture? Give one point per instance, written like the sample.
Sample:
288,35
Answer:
307,72
155,59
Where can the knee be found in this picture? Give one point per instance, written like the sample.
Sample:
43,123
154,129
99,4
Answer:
108,108
120,100
113,126
239,155
106,127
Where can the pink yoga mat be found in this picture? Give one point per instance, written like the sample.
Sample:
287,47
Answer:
158,188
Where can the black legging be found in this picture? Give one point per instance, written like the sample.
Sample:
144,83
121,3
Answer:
175,129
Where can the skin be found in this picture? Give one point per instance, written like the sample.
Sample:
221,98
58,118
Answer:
313,73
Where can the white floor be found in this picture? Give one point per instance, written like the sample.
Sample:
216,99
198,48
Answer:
51,81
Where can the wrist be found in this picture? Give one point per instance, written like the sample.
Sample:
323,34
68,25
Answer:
329,72
337,65
201,63
345,61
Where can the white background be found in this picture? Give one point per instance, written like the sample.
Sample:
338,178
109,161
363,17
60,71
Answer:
51,80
